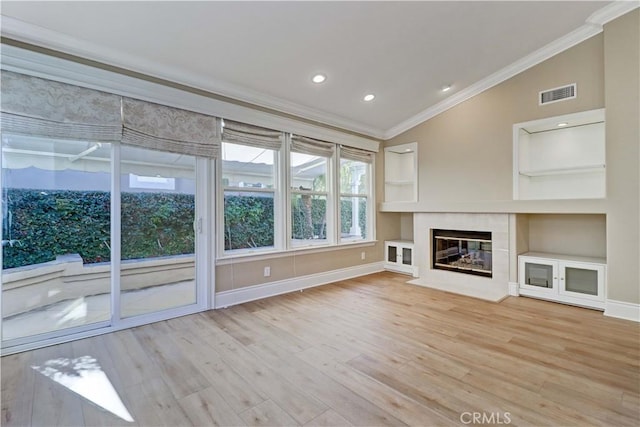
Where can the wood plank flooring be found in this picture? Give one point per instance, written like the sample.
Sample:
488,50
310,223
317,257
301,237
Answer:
370,351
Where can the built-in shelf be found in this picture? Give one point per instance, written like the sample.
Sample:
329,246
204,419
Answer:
564,171
560,157
401,173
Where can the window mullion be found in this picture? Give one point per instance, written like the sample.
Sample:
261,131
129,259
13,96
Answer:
115,233
336,214
287,183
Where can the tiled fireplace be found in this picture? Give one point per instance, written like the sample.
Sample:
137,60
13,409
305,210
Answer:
448,245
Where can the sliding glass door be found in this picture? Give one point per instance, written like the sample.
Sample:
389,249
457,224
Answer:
65,219
105,211
56,243
158,231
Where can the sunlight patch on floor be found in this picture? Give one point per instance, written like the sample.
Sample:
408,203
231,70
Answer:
84,376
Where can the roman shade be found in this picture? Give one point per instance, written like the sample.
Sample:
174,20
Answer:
253,136
303,144
356,154
43,108
159,127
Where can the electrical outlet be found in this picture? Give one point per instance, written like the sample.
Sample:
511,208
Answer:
267,271
363,255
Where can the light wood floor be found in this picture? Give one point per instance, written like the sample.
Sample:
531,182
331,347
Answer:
368,351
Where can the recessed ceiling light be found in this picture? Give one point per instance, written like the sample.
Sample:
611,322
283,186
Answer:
562,124
446,88
369,97
319,78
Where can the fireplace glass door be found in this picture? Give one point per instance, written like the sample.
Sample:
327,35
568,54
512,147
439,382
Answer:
463,251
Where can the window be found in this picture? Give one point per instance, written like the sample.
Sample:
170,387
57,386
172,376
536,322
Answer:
355,194
249,181
310,186
285,191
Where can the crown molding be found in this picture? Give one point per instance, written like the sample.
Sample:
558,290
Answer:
32,34
612,11
542,54
40,64
593,25
27,33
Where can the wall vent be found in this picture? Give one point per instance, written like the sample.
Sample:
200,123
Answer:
557,94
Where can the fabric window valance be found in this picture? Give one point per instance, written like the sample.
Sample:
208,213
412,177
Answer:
303,144
356,154
45,108
253,136
159,127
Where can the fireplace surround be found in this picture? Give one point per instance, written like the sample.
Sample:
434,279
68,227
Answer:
493,286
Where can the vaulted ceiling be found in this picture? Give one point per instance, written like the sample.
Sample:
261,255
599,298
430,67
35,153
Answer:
266,53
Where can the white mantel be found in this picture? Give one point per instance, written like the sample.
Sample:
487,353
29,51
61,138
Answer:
490,288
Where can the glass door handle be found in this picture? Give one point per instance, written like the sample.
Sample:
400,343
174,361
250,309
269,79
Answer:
197,225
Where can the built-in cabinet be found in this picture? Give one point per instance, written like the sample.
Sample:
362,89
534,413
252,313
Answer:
560,157
398,256
568,279
401,173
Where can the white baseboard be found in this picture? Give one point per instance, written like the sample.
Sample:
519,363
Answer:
622,310
252,293
514,289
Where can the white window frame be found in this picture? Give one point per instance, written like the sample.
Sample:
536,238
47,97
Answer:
278,218
369,196
330,206
283,195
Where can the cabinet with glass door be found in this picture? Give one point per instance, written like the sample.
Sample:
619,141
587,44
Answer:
398,257
568,279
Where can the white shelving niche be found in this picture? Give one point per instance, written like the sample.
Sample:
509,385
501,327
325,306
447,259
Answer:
401,173
560,157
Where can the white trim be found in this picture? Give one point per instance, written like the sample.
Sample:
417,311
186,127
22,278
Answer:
622,310
514,289
238,296
405,269
53,68
202,233
593,25
21,31
612,11
33,34
115,234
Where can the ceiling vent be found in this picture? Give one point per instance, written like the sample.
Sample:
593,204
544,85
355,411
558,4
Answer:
557,94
